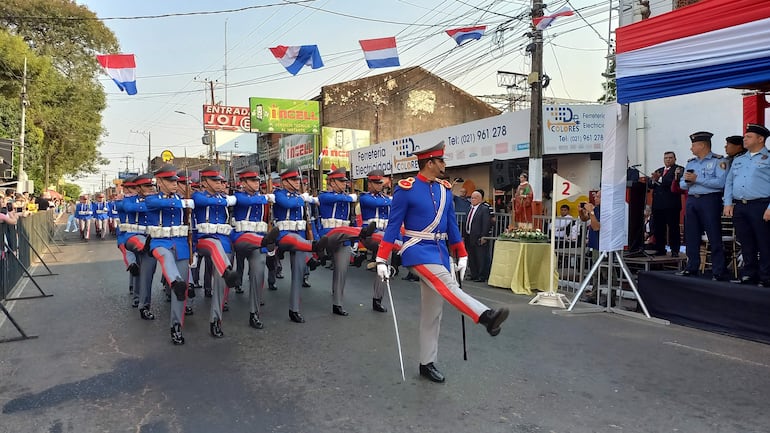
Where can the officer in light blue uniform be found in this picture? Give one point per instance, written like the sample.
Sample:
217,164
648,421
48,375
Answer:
704,181
335,207
375,207
250,237
425,207
747,200
168,241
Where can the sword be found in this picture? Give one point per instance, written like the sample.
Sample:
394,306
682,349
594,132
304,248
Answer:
395,325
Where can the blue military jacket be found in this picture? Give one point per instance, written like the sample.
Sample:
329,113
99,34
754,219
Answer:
415,205
248,207
333,207
166,211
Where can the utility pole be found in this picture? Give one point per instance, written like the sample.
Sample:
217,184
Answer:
21,186
535,81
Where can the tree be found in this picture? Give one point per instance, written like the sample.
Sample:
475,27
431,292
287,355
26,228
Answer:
65,99
609,86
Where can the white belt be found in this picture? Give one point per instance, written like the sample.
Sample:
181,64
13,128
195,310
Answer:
167,232
250,226
330,223
290,225
210,229
428,236
380,223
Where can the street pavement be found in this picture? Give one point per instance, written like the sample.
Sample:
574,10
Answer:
97,367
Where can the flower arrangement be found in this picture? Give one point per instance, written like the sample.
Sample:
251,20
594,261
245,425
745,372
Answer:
525,235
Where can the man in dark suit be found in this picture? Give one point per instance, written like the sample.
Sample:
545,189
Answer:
666,206
477,227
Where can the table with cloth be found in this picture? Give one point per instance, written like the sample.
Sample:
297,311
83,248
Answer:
522,266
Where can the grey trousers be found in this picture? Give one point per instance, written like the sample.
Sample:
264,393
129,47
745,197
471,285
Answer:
298,266
436,285
256,272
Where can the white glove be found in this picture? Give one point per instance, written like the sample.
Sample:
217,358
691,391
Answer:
231,200
383,270
354,197
270,198
462,266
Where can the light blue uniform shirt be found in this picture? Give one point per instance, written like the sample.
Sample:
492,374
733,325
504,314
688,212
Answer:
749,177
711,171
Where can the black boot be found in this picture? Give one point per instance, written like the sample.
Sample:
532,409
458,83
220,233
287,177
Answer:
179,288
254,321
232,278
492,319
337,309
377,305
268,241
133,269
430,372
145,314
296,317
216,329
176,334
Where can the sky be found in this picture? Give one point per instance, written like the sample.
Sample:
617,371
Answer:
180,46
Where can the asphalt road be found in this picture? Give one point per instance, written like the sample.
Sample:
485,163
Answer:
96,367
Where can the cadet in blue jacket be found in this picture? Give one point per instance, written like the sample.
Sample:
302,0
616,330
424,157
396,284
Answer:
213,239
168,241
425,208
335,209
251,238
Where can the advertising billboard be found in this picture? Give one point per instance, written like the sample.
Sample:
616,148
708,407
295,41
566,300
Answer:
284,116
297,150
336,144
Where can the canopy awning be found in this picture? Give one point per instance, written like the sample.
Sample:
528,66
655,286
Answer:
709,45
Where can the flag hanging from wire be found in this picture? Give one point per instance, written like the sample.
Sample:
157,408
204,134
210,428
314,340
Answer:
541,23
295,57
122,69
466,33
380,53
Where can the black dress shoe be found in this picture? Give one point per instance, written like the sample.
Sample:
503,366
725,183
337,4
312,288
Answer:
254,321
133,269
431,372
232,278
337,309
296,317
176,334
216,329
146,314
188,311
492,319
745,280
686,273
377,305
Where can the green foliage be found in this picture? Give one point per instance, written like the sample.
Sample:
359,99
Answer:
60,40
70,190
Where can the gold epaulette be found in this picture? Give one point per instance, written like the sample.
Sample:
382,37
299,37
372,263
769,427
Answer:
406,183
446,183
